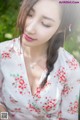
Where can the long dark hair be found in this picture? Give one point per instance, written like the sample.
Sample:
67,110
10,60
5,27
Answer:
69,17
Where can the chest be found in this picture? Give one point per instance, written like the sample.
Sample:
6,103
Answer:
45,100
34,78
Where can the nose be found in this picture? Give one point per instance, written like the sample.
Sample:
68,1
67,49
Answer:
31,27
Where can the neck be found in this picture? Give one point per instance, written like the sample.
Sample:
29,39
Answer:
35,53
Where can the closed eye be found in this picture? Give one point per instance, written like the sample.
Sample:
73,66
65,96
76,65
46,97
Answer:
46,25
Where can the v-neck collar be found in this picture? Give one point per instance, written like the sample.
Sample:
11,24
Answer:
25,70
26,76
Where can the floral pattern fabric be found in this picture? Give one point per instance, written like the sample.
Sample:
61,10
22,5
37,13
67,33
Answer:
58,100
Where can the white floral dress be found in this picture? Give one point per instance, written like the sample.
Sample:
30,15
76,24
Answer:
58,100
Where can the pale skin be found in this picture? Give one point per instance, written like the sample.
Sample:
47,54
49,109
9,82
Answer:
41,24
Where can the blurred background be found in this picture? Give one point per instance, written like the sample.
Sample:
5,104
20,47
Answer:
8,16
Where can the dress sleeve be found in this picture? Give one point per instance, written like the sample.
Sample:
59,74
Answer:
70,93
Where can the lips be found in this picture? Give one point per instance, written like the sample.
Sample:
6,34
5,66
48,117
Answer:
28,38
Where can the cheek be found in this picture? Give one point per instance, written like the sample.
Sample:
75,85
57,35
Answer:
47,34
44,36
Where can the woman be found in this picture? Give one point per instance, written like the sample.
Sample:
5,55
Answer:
39,79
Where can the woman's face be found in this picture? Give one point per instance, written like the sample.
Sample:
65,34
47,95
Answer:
42,22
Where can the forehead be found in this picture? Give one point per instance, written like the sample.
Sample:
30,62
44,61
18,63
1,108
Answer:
49,8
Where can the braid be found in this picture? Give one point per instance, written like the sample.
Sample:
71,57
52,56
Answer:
52,54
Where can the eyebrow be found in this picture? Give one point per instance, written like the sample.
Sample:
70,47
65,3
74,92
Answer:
45,17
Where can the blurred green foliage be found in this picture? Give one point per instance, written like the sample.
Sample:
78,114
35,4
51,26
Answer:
8,18
72,44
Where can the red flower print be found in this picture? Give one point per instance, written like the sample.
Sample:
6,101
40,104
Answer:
60,115
21,81
12,100
33,107
73,64
48,115
73,108
78,81
38,90
6,55
12,50
61,74
17,109
51,104
37,94
66,90
20,84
